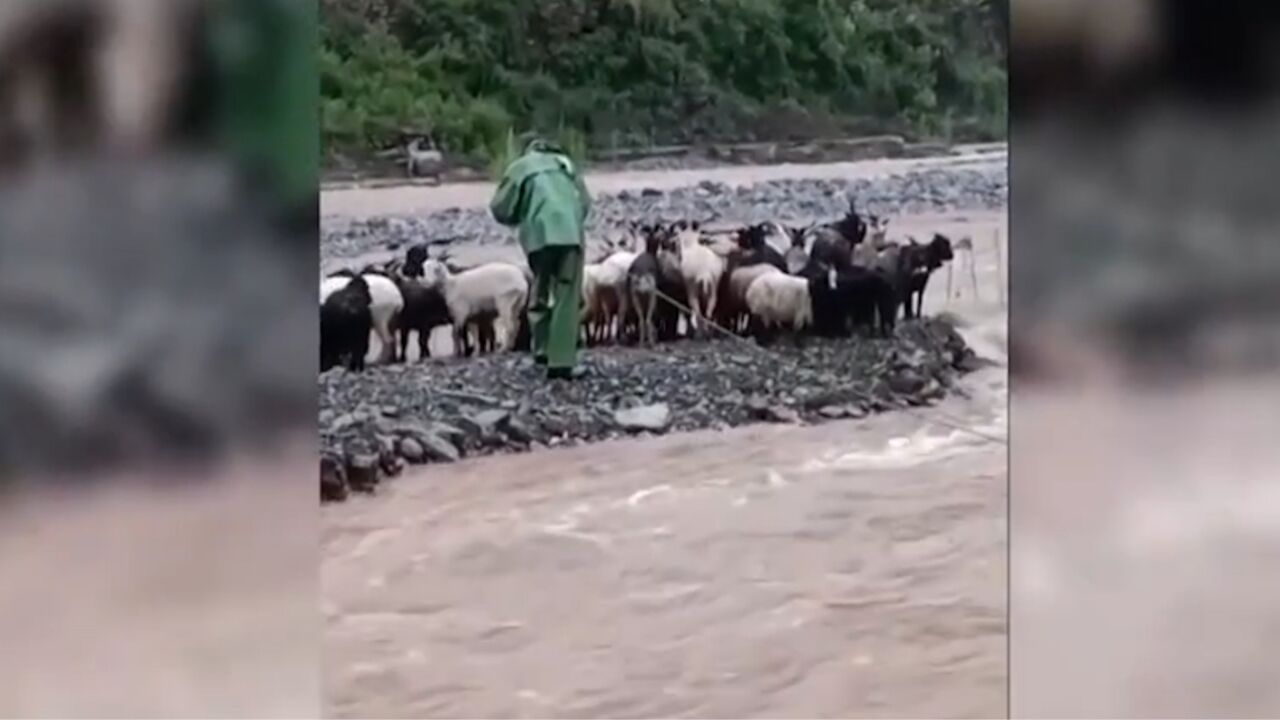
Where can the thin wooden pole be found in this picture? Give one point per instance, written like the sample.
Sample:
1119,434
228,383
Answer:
1000,277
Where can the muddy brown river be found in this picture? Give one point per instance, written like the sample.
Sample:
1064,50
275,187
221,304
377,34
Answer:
853,569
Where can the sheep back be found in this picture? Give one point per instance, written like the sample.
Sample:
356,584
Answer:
780,299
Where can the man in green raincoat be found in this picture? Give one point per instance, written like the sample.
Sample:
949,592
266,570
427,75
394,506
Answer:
543,194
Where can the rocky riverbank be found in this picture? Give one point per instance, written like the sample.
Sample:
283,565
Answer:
935,189
373,424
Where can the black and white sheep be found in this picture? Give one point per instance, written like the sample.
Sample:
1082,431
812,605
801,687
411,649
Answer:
385,306
345,323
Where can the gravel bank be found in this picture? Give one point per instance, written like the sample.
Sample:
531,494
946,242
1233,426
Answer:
374,423
938,189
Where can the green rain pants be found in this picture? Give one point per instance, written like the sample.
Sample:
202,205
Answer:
556,303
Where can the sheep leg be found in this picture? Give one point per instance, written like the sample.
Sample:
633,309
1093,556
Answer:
424,344
973,276
361,349
402,338
713,295
695,307
386,347
511,324
924,282
489,335
650,306
755,327
624,310
501,335
460,347
587,321
638,302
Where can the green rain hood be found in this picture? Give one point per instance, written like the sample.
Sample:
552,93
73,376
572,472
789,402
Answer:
543,195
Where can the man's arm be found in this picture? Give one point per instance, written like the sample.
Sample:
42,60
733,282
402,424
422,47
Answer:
505,205
584,197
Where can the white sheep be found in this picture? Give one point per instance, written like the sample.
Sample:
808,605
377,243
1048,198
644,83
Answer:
700,271
602,286
496,288
780,301
385,308
734,301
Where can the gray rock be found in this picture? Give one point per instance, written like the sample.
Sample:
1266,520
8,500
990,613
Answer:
653,418
364,472
834,412
333,479
519,431
783,414
555,425
344,422
386,445
491,421
412,450
437,449
452,433
906,382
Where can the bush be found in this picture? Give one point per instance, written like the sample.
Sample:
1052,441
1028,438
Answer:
619,73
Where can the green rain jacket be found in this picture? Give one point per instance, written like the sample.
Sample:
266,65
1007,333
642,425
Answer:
542,193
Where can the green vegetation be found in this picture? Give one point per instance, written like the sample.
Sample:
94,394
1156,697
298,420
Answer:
599,74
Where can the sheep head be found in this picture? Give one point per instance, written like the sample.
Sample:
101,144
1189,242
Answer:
797,236
938,251
415,256
435,274
359,287
878,230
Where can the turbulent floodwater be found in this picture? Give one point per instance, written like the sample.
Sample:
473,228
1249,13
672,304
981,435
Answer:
857,568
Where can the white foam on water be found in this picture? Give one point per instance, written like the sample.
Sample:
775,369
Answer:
639,496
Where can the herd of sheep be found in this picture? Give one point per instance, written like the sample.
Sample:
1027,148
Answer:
655,283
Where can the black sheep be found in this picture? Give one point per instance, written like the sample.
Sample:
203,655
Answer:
424,311
926,259
898,265
345,324
850,298
871,299
756,249
833,243
415,257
